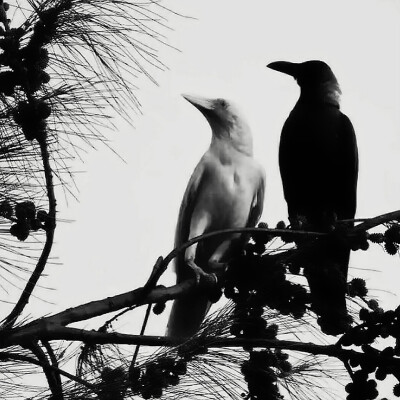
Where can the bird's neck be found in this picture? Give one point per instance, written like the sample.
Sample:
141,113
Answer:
325,93
226,146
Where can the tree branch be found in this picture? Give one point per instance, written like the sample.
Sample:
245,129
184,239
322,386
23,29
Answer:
368,224
222,232
93,309
74,334
379,220
158,294
50,228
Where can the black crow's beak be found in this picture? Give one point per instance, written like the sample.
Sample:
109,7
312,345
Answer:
285,67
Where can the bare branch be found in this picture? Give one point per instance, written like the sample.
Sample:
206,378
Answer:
376,221
41,264
94,309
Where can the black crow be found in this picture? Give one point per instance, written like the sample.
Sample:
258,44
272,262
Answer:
318,160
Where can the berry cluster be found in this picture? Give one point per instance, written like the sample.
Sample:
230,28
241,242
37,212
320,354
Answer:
376,324
149,381
390,239
112,385
260,239
23,71
360,242
25,216
254,281
260,372
357,288
361,388
31,116
261,283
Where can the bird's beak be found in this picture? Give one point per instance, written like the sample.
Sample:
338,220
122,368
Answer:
286,67
203,104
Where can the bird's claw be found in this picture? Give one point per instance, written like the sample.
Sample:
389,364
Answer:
202,278
198,272
217,267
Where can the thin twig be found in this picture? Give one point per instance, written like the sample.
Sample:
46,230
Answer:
52,376
146,319
53,359
7,356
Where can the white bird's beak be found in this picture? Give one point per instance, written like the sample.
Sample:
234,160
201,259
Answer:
201,103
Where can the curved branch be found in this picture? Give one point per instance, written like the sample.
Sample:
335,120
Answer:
379,220
175,252
50,228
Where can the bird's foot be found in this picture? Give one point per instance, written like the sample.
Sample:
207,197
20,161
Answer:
206,281
217,267
202,278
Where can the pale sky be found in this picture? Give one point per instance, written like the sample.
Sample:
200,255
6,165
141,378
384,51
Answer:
127,212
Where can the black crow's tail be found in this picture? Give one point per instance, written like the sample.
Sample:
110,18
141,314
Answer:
326,271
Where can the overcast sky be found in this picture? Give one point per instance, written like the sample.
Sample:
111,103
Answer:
127,212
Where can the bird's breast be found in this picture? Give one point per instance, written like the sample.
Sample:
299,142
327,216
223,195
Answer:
228,194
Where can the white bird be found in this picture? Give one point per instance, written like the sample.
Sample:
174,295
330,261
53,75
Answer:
226,190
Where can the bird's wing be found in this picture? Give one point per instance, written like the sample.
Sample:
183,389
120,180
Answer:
348,172
185,215
187,313
258,202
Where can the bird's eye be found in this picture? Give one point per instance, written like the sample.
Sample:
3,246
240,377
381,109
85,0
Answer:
223,103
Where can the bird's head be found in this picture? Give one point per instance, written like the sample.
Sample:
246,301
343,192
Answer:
314,77
226,121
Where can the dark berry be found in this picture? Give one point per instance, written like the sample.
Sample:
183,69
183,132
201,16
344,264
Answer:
158,308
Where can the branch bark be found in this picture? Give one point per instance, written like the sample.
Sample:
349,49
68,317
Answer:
75,334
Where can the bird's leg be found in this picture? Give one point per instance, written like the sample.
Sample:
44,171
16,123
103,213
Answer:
215,264
198,226
201,277
190,255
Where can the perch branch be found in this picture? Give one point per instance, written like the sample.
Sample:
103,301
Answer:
175,252
75,334
379,220
367,224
